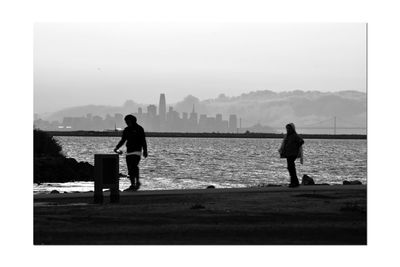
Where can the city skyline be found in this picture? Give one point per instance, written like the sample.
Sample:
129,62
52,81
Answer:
156,119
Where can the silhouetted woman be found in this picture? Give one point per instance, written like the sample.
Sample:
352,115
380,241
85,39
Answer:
291,149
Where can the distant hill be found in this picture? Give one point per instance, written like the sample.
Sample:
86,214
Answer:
100,110
274,109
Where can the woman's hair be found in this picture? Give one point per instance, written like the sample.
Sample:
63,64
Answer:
291,125
130,118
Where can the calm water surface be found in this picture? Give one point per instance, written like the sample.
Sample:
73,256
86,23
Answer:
180,163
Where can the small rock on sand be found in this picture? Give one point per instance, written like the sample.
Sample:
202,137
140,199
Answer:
307,180
354,182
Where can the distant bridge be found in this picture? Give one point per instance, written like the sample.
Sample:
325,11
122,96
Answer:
322,125
325,128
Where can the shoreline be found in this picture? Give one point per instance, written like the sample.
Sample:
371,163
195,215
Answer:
267,187
207,135
272,188
307,215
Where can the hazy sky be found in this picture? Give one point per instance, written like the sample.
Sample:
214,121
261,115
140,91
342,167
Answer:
108,63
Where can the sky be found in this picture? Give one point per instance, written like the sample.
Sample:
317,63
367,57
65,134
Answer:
109,63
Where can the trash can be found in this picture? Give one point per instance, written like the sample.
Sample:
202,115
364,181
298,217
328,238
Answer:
106,175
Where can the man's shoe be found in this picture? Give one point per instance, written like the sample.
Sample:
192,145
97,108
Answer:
138,184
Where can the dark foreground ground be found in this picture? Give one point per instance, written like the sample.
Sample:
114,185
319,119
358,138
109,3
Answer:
309,215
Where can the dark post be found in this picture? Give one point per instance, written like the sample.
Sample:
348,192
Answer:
334,126
106,175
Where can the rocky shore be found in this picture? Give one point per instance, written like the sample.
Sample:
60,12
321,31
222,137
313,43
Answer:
61,169
51,166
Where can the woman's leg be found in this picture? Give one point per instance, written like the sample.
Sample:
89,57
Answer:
292,171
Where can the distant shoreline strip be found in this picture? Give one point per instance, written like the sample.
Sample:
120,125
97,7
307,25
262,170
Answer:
206,135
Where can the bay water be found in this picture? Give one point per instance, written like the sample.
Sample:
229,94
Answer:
192,163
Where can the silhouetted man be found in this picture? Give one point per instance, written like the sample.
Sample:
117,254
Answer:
135,140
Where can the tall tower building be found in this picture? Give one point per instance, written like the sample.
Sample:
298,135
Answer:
193,121
152,111
232,123
162,108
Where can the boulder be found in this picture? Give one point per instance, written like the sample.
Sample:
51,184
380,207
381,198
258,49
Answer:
70,162
54,192
353,182
60,169
273,185
307,180
85,171
210,187
50,165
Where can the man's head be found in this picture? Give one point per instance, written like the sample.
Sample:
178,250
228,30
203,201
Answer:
130,120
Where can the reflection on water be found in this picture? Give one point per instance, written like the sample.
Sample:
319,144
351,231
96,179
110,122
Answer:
178,163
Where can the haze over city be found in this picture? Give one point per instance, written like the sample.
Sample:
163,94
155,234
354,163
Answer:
79,64
259,111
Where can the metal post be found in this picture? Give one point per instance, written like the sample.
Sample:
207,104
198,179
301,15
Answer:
334,126
106,170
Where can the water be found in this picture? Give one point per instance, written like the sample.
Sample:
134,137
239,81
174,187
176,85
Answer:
180,163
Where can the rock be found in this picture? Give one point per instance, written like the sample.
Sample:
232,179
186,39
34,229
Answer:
70,161
210,187
353,182
273,185
307,180
85,171
50,165
54,192
61,169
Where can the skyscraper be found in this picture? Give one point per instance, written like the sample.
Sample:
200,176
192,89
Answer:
203,123
218,123
162,108
152,111
162,113
193,120
232,123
